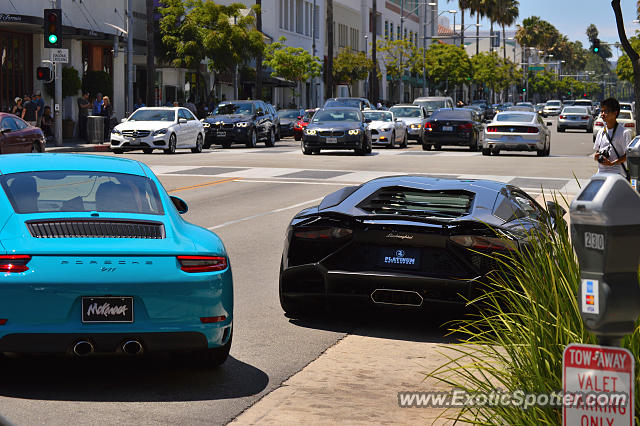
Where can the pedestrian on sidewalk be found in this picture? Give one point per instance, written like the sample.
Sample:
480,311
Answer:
191,106
40,107
29,111
47,122
83,112
611,141
139,104
107,111
97,105
17,108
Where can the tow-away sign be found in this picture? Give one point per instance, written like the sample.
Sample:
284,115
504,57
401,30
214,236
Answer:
598,376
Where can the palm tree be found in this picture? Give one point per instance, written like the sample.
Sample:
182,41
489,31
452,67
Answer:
476,7
462,5
492,11
508,14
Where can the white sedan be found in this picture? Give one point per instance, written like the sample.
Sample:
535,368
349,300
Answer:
158,128
386,129
517,131
625,118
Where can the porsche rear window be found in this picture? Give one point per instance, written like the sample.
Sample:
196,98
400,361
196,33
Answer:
411,202
75,191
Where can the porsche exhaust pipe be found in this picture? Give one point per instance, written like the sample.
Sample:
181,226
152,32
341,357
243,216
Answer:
385,296
82,348
132,347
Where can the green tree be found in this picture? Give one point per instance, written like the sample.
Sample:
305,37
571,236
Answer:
624,70
350,67
543,83
291,63
631,51
393,54
536,32
508,13
495,72
445,63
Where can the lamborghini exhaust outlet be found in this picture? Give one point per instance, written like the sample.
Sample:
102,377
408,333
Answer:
386,296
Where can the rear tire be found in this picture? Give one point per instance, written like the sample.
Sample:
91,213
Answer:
426,147
405,141
271,139
251,143
486,151
147,150
305,150
561,129
198,147
438,147
211,357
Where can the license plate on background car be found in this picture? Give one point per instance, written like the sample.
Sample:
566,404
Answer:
399,258
221,134
447,128
332,140
134,142
107,309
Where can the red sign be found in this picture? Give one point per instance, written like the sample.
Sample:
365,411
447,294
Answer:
598,386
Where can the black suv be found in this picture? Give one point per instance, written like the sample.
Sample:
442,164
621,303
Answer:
240,122
360,103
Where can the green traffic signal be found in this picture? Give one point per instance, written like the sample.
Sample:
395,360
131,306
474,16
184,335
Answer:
524,89
595,49
53,39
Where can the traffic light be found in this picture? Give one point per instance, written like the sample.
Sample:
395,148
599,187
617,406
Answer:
596,45
43,73
524,89
52,28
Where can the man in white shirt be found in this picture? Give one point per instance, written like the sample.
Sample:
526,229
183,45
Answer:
613,139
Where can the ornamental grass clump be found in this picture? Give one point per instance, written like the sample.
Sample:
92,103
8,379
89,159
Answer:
526,317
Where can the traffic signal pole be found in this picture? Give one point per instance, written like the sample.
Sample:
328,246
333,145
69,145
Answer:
57,110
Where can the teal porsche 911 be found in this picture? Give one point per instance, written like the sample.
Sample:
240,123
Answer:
95,258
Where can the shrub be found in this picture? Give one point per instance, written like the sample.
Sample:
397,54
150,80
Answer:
98,81
71,83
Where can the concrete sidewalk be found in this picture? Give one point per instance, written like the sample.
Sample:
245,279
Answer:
77,145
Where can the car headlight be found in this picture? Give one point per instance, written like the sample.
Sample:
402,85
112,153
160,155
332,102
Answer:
415,126
310,132
354,131
160,132
206,125
242,124
115,131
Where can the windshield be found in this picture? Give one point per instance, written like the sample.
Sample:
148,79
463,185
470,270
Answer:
288,113
378,116
336,115
447,114
239,108
405,111
625,106
74,191
353,103
431,105
583,103
526,118
553,103
574,110
153,115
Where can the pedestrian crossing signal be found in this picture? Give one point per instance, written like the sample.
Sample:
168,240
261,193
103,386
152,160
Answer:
43,73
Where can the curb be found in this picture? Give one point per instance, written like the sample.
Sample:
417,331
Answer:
80,148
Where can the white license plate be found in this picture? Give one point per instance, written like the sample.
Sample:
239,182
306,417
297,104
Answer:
447,128
221,134
134,142
332,140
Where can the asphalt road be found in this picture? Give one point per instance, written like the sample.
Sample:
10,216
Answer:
248,198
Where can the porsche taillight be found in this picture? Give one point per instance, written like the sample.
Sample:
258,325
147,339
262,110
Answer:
14,263
329,233
484,243
193,264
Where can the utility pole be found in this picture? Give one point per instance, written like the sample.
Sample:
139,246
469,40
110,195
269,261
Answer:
258,94
424,51
373,80
314,98
130,57
58,91
329,64
151,67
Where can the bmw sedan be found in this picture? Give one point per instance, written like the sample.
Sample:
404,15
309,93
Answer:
386,129
458,127
404,241
97,259
158,128
517,131
243,122
337,128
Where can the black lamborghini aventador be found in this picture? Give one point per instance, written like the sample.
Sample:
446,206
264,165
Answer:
404,241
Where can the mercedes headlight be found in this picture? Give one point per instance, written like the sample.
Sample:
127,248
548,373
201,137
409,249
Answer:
160,132
242,124
116,132
310,132
354,131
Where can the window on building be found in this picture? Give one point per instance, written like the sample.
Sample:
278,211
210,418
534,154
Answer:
386,29
411,36
316,22
343,34
292,16
281,17
398,33
355,38
405,34
307,18
299,17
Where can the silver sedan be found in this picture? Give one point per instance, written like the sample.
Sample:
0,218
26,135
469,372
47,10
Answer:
414,116
386,129
517,131
575,117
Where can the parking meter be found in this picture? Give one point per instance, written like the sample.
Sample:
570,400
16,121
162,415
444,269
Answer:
605,230
633,162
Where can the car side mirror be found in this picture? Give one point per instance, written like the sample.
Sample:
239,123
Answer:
5,130
182,120
555,209
180,204
123,120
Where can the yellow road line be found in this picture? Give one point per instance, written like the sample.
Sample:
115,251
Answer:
202,185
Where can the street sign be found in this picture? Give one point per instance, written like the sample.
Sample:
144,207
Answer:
60,56
592,377
536,68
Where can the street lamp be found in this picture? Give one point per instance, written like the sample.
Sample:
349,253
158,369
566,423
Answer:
366,82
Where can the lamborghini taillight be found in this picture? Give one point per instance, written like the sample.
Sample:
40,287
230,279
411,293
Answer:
328,233
484,243
14,262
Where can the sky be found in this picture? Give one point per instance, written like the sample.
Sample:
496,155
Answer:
572,17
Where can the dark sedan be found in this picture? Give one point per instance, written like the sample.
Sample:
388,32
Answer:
288,119
337,128
459,127
404,241
16,135
241,122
